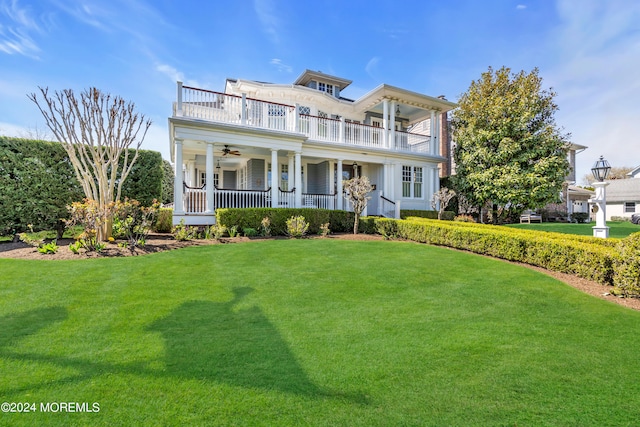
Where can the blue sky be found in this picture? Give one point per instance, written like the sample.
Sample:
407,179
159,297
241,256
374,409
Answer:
588,51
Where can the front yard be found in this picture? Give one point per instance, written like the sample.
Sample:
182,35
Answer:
617,229
315,332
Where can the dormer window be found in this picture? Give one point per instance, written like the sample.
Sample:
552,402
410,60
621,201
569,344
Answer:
324,87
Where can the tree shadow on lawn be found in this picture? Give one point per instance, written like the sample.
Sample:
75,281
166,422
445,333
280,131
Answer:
239,346
203,340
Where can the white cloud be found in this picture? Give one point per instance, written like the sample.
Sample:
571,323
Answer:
280,66
15,37
372,65
521,6
10,129
596,80
175,75
268,18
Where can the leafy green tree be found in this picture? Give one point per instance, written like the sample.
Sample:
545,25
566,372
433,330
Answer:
167,182
509,152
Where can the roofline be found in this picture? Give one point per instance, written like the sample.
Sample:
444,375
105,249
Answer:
391,92
310,74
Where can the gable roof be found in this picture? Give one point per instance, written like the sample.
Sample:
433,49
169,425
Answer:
635,173
623,190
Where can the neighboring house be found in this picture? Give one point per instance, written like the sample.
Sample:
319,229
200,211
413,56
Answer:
226,145
623,196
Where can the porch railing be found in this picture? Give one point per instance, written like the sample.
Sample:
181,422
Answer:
241,198
389,208
320,201
286,199
219,107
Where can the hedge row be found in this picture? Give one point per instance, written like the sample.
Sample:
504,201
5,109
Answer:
588,260
446,215
339,221
37,182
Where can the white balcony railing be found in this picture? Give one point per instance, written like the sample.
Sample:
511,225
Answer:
222,108
321,201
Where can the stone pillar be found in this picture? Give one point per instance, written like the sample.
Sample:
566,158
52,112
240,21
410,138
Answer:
178,183
209,178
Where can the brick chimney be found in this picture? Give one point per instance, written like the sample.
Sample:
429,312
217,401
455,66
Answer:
445,143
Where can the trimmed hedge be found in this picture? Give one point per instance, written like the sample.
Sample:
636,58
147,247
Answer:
446,215
589,260
339,221
626,279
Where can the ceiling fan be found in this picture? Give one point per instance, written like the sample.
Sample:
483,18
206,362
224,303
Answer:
226,151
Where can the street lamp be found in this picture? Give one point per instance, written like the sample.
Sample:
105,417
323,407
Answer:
600,170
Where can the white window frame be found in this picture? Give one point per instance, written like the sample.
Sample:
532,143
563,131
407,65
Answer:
412,182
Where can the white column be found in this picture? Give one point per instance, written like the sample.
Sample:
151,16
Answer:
392,133
601,229
274,178
385,122
436,145
432,131
209,178
178,195
339,190
191,167
298,193
291,175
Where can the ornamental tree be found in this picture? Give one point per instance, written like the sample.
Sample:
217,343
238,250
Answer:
96,131
509,152
441,199
358,190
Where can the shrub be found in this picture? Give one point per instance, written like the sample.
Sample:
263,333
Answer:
75,247
90,216
216,231
464,218
297,227
265,226
250,232
48,248
339,221
164,221
579,217
446,215
626,279
324,229
134,221
182,232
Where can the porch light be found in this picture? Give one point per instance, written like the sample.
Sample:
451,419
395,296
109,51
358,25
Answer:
601,169
355,170
218,165
397,109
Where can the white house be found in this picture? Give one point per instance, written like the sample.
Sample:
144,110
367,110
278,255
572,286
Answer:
623,196
225,146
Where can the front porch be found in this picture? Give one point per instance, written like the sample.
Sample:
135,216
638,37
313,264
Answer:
196,210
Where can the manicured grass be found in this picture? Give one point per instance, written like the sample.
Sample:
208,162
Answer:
617,229
312,332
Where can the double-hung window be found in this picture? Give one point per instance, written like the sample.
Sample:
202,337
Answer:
412,179
629,207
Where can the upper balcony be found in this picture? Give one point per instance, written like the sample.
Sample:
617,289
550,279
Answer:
218,107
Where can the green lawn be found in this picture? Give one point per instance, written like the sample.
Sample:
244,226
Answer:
312,332
617,229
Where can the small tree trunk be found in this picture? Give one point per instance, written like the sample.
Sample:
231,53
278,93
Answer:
355,224
494,214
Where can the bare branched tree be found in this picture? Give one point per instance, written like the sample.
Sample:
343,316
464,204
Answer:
441,199
97,131
358,190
